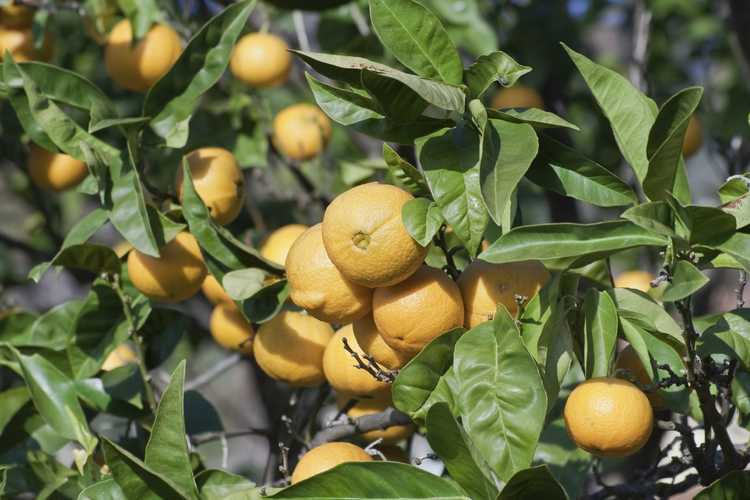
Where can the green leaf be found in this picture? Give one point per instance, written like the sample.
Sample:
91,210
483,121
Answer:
52,330
733,486
417,39
565,171
167,452
349,69
665,142
600,328
699,224
173,99
381,480
79,234
422,219
398,102
730,335
428,378
500,394
406,174
739,208
88,257
106,489
450,443
136,480
54,397
654,216
501,171
266,303
569,464
489,68
631,114
141,13
532,483
537,118
737,246
582,242
130,215
634,303
450,160
312,5
11,401
221,485
125,123
243,284
686,280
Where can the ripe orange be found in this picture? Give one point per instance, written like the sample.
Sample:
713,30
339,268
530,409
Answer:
638,280
276,247
20,43
55,171
121,356
290,348
693,137
608,417
370,406
366,239
218,181
373,343
628,360
414,312
230,329
138,67
16,16
214,292
173,277
318,286
261,60
325,457
484,286
517,96
301,131
341,369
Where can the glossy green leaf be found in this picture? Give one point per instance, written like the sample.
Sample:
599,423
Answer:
422,219
737,246
654,216
136,480
489,68
567,463
566,240
600,329
54,397
267,302
635,337
398,102
167,452
141,13
415,36
313,5
78,234
349,69
428,378
173,99
739,208
733,486
406,174
243,284
635,303
382,480
51,330
125,123
450,160
631,114
565,171
217,484
700,224
665,142
500,394
501,171
106,489
129,213
451,444
730,336
686,280
537,118
11,401
532,483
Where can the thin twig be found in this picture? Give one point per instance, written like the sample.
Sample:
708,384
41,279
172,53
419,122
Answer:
366,423
369,364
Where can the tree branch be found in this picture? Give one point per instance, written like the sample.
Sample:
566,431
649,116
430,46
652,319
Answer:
366,423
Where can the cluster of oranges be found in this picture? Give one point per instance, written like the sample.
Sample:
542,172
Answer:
16,35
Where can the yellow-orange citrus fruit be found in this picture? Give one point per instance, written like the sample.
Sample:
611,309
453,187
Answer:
366,239
693,137
608,417
638,280
394,453
290,348
373,343
174,276
16,16
138,67
301,131
230,329
341,369
55,171
484,286
318,286
628,360
413,312
518,96
276,247
20,43
325,457
121,356
261,60
218,181
214,292
392,434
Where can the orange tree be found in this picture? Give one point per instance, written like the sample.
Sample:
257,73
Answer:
495,340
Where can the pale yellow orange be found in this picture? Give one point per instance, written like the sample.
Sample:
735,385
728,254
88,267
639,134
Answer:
390,435
55,171
301,131
325,457
213,291
290,348
230,329
341,369
277,245
373,343
318,286
638,280
366,238
20,43
121,356
261,60
693,137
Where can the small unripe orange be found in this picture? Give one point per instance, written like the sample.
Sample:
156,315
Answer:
55,171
